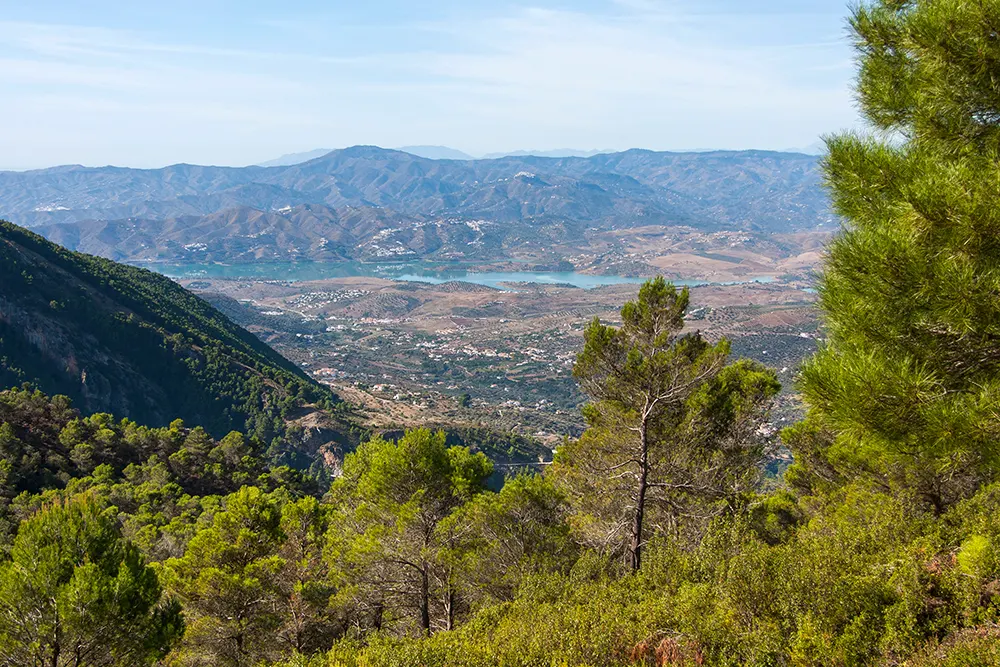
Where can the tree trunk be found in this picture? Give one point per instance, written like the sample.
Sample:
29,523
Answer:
239,649
425,603
449,606
56,642
635,548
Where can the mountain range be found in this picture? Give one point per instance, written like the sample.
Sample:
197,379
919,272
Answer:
434,153
437,152
366,201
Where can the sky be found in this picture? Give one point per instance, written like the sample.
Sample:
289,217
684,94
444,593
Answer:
235,82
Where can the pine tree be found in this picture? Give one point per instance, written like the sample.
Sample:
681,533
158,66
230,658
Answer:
906,390
498,540
667,423
391,499
74,592
229,581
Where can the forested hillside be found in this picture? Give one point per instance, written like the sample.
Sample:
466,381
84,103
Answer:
118,339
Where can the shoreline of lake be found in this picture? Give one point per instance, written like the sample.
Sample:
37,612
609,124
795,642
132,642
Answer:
433,273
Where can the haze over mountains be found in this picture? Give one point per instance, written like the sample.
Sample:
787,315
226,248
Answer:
436,153
367,202
289,159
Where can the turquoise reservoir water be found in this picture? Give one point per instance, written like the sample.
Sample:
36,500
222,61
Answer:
297,271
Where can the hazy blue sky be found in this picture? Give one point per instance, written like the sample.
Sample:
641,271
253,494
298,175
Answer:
139,83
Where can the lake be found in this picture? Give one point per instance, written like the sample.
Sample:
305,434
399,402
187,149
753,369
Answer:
413,272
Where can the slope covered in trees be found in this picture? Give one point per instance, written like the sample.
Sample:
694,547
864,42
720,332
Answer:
119,339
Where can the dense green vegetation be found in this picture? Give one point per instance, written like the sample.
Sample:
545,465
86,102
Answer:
649,540
75,592
409,542
409,558
905,393
159,479
119,339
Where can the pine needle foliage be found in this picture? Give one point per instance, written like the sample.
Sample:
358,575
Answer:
907,389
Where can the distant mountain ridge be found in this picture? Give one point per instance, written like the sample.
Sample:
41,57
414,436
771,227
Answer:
436,152
429,152
289,159
558,152
366,190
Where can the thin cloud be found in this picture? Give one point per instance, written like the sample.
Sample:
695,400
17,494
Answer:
640,74
63,40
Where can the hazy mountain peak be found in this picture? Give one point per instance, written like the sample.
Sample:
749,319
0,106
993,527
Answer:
367,150
436,152
558,152
295,158
815,148
429,152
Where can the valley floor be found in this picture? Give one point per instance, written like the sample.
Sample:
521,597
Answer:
416,353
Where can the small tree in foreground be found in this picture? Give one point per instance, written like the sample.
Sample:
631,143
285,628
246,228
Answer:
669,423
230,581
75,593
383,546
497,540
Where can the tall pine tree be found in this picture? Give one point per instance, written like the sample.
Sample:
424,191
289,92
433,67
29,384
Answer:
906,391
672,430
